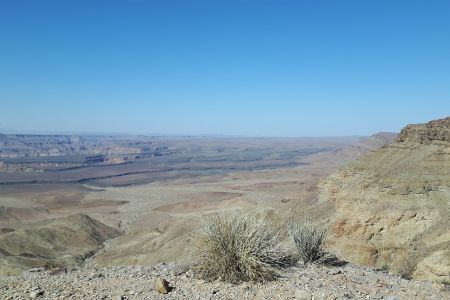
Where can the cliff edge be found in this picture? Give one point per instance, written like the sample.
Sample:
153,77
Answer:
391,208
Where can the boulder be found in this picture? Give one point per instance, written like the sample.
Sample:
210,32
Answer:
162,286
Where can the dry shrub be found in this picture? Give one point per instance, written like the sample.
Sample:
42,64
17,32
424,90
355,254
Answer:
238,247
404,264
308,238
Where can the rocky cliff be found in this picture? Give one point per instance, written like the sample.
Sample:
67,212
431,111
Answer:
391,208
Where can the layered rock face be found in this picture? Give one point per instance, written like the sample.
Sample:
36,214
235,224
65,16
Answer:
392,206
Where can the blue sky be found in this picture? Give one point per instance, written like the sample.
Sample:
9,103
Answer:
265,68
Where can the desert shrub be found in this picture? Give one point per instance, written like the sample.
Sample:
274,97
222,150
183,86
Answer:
308,238
404,264
385,268
406,269
445,282
239,247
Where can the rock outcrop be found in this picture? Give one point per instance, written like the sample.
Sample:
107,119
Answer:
434,131
391,208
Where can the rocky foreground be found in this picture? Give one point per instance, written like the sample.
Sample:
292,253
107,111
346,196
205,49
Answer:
138,282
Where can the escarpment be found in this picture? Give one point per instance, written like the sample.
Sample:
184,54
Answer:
391,208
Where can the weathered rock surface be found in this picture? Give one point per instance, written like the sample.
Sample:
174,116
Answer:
302,282
391,208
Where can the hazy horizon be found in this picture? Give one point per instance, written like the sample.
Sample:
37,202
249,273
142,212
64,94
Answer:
9,131
232,68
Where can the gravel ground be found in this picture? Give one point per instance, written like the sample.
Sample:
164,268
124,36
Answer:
137,282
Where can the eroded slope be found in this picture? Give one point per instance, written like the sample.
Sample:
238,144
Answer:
391,207
64,241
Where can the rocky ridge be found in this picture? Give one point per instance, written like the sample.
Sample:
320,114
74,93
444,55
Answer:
434,131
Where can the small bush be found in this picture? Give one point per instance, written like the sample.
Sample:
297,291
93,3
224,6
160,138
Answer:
308,238
237,248
404,264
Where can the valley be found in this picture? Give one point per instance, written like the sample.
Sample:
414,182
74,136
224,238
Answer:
382,198
155,200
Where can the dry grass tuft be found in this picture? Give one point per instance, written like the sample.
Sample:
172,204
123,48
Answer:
238,247
308,238
404,264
